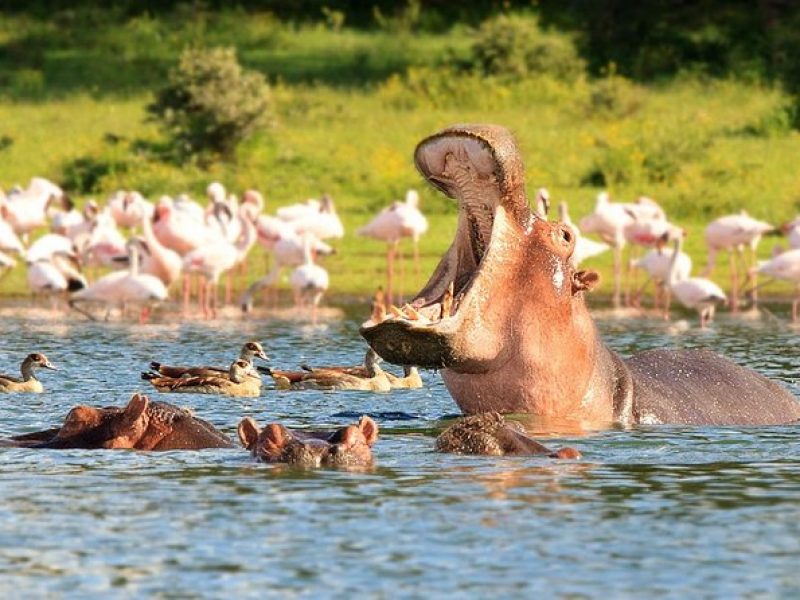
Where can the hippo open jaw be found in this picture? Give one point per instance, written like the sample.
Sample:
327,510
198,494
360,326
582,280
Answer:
463,163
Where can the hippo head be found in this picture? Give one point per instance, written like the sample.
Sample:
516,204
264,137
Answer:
349,446
503,314
490,434
141,425
110,427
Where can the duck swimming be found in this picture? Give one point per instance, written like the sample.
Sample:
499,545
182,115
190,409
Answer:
249,351
28,383
410,379
238,381
369,377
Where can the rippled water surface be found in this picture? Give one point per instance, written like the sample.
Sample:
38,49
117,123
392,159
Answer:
667,511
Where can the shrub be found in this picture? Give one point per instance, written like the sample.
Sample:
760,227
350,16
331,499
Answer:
211,103
515,46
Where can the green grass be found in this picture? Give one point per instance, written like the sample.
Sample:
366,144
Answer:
349,113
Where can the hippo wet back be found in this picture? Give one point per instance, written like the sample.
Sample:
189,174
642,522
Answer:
505,319
349,446
140,425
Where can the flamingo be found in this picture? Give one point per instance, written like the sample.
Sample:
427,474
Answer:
287,251
57,272
732,233
26,210
9,241
309,281
610,221
47,245
299,210
214,259
128,208
584,247
693,292
396,221
324,224
657,264
164,263
105,244
121,288
786,266
792,232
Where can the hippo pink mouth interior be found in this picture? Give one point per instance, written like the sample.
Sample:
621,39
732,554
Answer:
465,169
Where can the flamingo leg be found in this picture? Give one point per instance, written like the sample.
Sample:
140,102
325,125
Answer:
636,300
667,302
213,294
734,282
390,273
185,293
402,278
617,275
795,307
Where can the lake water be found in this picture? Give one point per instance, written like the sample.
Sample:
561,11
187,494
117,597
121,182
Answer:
649,512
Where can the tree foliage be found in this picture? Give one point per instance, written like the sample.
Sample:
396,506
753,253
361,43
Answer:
210,103
515,46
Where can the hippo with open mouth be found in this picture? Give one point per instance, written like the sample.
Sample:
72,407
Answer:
505,319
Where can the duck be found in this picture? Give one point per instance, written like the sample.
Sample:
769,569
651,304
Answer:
28,383
369,377
238,381
249,351
410,379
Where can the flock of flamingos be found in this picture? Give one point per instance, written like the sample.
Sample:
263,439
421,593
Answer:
182,243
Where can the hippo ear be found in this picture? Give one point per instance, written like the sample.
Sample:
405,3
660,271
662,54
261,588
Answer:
248,432
584,280
136,408
369,429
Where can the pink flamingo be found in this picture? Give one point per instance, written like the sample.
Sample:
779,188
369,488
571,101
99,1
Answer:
214,259
731,234
396,221
786,266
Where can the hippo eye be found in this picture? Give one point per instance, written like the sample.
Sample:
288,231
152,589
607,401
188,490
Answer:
567,235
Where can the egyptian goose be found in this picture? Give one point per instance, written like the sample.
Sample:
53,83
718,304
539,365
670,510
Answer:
28,383
237,382
250,350
372,379
410,379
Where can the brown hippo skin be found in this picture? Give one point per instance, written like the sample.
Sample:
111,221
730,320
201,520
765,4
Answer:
349,446
516,335
141,425
489,434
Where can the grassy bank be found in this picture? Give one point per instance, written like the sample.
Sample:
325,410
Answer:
351,105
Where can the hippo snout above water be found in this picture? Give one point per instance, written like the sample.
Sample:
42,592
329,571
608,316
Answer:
504,315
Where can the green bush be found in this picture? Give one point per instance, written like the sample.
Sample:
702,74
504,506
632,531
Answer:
515,46
211,103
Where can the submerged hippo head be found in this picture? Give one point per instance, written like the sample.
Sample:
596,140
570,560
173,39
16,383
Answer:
490,434
503,314
141,425
349,446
